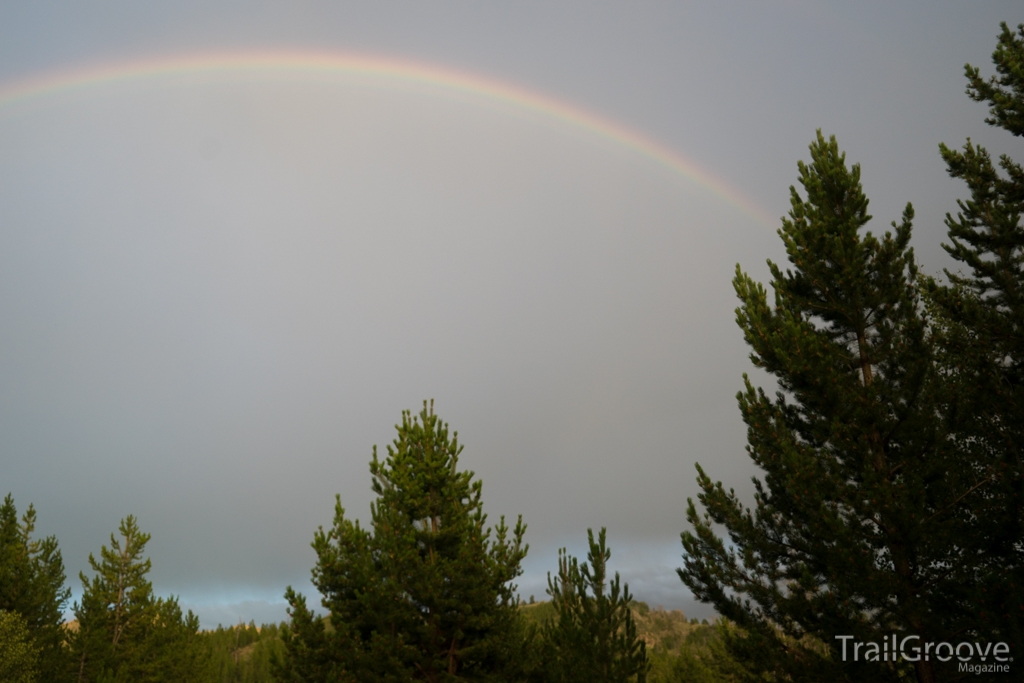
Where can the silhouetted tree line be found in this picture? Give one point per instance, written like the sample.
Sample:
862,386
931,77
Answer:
890,502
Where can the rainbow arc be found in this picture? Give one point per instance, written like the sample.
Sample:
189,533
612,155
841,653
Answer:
388,71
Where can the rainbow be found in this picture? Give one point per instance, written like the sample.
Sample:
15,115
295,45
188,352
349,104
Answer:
387,71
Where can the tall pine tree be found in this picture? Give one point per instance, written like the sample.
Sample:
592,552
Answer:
32,585
593,639
425,593
124,632
980,317
854,528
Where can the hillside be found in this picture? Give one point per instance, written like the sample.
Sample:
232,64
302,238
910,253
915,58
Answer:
660,628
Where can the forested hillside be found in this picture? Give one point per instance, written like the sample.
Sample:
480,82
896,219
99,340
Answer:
242,653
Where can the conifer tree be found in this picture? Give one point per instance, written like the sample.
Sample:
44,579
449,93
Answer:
124,632
424,593
32,585
980,316
594,638
116,605
855,523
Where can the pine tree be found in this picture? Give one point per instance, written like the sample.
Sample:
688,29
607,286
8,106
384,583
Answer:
855,524
981,323
594,638
124,632
116,604
32,585
425,593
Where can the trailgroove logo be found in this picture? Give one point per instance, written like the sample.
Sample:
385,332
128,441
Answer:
911,649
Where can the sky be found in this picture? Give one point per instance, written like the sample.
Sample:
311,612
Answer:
237,240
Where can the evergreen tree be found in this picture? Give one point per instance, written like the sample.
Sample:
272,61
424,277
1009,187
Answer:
32,585
124,632
856,524
981,337
594,638
425,593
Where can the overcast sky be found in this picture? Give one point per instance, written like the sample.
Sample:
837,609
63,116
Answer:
219,291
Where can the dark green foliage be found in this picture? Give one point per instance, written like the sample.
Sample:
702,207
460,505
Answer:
678,650
1004,93
980,323
425,593
32,585
593,639
124,633
856,524
242,654
19,658
702,657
